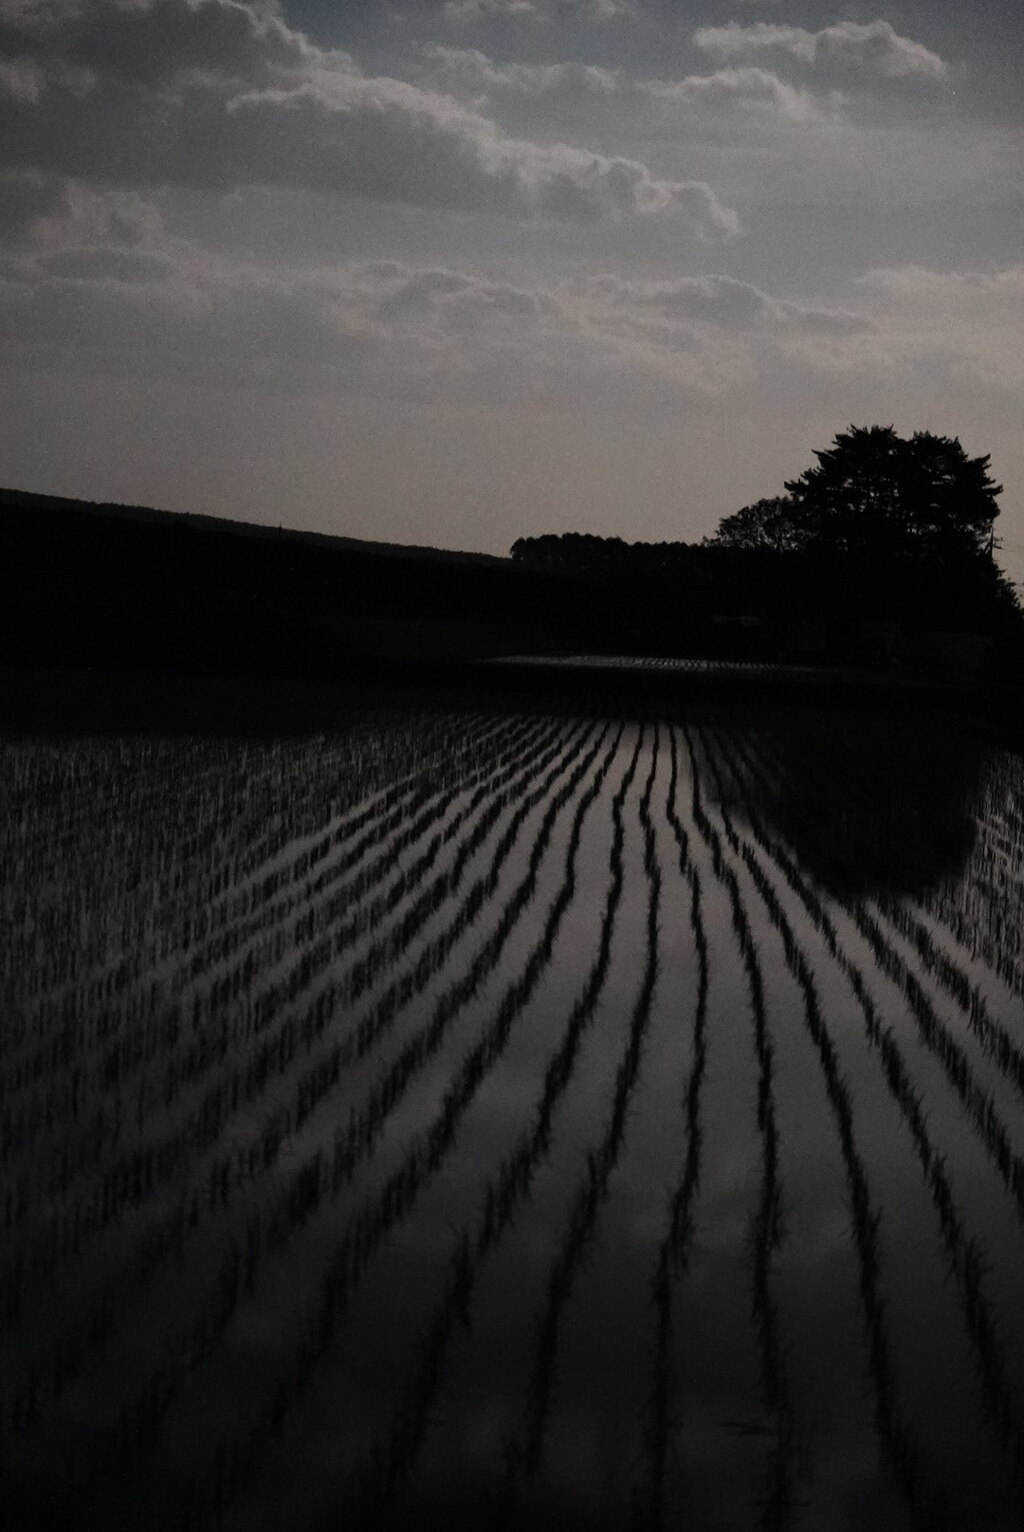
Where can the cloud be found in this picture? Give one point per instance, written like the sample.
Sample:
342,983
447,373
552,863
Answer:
720,301
217,95
473,70
479,10
875,45
965,323
747,89
101,288
49,213
105,288
25,202
155,42
391,141
924,286
463,11
20,80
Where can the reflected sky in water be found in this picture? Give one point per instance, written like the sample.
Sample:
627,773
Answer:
539,1120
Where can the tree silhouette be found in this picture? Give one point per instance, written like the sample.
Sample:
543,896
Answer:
778,524
874,492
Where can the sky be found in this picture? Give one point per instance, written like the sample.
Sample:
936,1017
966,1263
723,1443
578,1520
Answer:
459,271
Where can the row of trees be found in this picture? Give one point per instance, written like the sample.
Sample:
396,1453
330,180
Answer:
881,526
873,491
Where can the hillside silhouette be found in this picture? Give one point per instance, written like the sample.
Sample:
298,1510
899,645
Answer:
880,558
114,584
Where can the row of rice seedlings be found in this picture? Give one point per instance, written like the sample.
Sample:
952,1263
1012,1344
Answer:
998,817
339,780
315,1083
302,1031
305,1188
308,967
50,940
286,867
405,747
95,997
900,1446
767,1223
132,866
984,914
53,831
405,822
976,1100
964,1258
312,1087
220,1031
993,1036
381,1214
95,1018
142,1169
364,1035
390,765
1007,780
522,1452
396,832
503,1195
143,951
63,1362
1001,813
674,1250
985,920
106,1105
353,1145
993,884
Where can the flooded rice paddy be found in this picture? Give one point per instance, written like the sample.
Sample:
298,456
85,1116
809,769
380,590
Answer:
472,1117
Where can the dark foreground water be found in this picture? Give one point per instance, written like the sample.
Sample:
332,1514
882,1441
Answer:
461,1117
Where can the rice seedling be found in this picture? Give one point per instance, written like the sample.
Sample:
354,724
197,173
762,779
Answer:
286,1015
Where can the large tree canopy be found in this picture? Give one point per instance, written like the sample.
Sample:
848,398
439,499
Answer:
874,492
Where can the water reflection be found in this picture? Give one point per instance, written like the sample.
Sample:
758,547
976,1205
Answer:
871,802
527,1118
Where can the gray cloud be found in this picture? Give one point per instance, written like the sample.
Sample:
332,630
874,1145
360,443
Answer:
874,44
973,319
747,89
104,286
473,70
722,302
398,293
101,264
243,101
20,79
49,213
479,10
155,42
389,140
750,90
462,11
25,201
744,89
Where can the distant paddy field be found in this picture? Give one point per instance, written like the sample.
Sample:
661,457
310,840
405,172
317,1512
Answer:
495,1107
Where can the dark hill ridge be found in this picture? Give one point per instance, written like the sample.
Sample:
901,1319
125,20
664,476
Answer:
122,585
113,583
105,583
143,515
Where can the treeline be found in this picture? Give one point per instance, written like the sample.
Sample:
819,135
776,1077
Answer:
106,585
770,602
